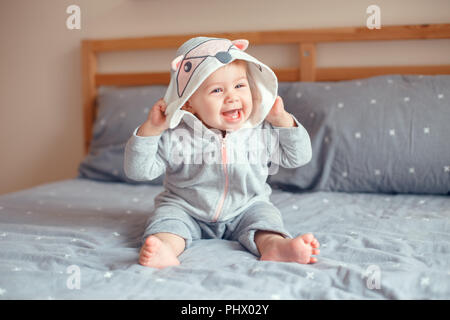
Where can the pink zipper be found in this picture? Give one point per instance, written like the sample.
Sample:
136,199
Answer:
225,189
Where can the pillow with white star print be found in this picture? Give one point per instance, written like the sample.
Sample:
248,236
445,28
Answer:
385,134
120,111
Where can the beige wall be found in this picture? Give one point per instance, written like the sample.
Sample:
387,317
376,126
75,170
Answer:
40,92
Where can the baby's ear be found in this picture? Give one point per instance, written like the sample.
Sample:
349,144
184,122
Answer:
176,62
186,106
241,44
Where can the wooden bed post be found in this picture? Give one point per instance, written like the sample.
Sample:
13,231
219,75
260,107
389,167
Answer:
307,61
89,89
305,40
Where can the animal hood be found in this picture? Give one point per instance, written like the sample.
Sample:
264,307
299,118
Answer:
198,57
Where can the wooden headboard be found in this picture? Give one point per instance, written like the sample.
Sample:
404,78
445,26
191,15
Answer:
306,70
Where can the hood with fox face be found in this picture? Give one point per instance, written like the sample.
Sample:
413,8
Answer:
197,58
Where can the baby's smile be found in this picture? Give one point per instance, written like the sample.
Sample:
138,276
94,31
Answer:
232,115
224,100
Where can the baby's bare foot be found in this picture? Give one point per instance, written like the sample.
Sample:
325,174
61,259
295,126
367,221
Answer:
297,250
157,254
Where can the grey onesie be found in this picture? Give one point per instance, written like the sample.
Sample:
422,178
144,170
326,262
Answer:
215,186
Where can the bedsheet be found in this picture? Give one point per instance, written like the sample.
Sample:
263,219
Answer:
80,239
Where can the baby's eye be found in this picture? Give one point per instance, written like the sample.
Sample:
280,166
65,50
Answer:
217,90
240,85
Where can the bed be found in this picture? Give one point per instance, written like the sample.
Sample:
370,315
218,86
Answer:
376,194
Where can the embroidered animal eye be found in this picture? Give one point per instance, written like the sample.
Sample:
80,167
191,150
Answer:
187,66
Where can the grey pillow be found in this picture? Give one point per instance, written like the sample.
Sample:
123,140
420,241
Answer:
120,111
386,134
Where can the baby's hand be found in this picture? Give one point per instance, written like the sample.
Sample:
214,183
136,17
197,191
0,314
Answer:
278,116
156,120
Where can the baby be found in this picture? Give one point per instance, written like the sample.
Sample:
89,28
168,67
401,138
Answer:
217,91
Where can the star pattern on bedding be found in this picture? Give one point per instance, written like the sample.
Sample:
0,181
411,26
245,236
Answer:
108,274
102,122
392,132
255,270
425,281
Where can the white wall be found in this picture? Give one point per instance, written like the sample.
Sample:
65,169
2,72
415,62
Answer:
41,129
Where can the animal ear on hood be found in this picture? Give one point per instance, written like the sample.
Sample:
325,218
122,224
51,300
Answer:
241,44
176,62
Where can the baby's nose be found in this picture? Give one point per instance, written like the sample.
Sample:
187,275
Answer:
231,99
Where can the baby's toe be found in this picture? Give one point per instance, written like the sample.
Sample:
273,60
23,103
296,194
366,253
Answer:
152,244
315,243
308,237
315,251
313,260
143,257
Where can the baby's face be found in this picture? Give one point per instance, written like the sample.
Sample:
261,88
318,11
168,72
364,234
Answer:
224,100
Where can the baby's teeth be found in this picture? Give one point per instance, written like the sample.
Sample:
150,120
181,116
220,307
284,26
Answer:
233,115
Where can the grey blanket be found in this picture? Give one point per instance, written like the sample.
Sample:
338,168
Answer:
80,239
